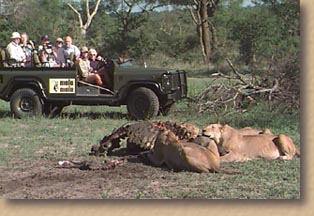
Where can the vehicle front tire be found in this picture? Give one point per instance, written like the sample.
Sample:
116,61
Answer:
143,104
26,103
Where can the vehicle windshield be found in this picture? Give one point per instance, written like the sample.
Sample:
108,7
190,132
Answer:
127,63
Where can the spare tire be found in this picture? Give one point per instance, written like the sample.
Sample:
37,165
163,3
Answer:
142,104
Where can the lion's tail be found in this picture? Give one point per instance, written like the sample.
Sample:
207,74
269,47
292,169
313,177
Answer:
297,153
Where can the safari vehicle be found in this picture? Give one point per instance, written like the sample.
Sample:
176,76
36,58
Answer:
38,90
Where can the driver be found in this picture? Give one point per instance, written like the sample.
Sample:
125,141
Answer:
86,72
99,65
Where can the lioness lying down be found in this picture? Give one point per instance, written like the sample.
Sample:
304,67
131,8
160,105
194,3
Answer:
183,155
243,131
236,147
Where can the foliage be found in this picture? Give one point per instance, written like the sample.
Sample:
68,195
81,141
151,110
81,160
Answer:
265,29
263,38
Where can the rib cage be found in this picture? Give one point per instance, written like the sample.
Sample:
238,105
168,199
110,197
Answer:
143,135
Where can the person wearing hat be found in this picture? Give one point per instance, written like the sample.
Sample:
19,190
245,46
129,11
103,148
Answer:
47,55
45,41
58,49
15,51
98,64
92,54
85,71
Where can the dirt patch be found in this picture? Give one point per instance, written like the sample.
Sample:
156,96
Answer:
134,178
45,180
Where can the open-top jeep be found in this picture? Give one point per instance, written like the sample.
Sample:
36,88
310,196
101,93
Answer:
40,90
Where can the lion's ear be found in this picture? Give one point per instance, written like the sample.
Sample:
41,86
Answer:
223,127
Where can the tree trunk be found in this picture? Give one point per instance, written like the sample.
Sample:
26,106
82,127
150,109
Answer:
89,15
205,31
200,12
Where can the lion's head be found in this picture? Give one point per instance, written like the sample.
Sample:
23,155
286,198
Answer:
166,136
213,131
191,130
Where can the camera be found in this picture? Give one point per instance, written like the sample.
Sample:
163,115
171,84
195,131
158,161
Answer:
48,48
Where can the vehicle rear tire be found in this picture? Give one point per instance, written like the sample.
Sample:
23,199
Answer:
143,104
26,103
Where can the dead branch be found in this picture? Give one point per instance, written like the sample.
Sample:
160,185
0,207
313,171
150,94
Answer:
239,76
224,99
89,15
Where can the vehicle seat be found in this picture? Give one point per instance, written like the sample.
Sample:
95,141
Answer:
36,60
1,62
72,60
6,61
3,59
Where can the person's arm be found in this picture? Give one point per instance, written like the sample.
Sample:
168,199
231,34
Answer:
32,44
10,51
42,56
77,52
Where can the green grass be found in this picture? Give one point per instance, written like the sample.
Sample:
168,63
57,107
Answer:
72,135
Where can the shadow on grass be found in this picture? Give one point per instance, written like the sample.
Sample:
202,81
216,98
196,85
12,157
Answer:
134,156
78,115
5,114
94,115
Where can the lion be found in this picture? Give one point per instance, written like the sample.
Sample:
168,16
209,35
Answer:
243,131
184,131
236,147
181,155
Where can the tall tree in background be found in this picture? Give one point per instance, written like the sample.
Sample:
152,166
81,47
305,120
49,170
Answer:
130,15
88,14
201,11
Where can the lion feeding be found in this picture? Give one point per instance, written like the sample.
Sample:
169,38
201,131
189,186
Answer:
236,147
182,155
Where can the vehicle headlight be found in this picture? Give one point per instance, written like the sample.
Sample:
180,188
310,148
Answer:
166,81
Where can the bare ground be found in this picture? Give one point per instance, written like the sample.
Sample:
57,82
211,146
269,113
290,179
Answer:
133,178
47,180
123,176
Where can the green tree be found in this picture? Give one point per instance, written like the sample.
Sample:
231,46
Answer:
129,18
40,17
201,11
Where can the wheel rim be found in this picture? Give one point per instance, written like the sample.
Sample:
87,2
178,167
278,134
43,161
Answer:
26,104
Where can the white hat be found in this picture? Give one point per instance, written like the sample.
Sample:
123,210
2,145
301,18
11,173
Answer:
92,51
59,40
15,35
84,49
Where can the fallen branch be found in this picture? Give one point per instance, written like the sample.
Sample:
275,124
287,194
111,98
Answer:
224,98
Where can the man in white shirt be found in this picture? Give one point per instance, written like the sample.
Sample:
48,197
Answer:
15,51
70,48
